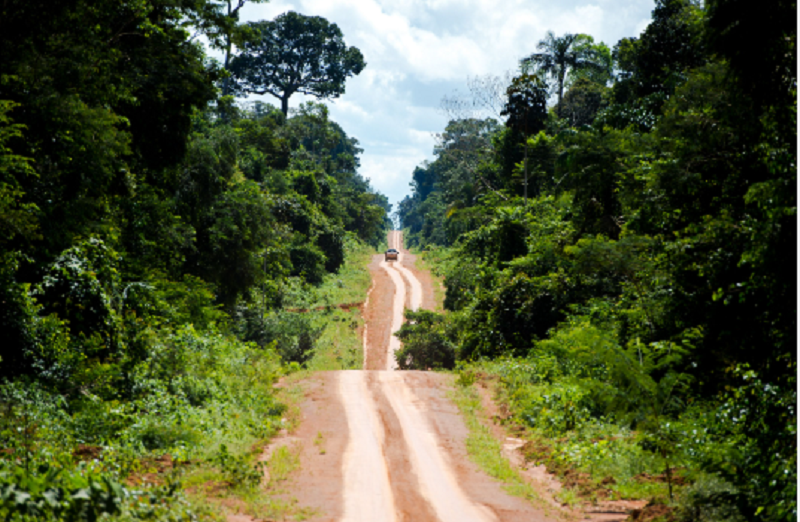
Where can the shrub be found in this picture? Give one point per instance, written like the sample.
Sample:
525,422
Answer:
426,342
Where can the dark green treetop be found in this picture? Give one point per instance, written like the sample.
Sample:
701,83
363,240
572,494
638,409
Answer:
296,53
559,54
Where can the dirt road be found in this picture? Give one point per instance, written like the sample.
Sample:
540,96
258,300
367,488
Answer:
402,279
390,445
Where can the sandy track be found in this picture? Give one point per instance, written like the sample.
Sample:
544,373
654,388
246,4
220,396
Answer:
395,447
401,278
367,494
437,480
394,451
397,453
378,316
398,307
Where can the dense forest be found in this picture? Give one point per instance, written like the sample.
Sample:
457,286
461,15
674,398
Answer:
153,231
616,228
617,233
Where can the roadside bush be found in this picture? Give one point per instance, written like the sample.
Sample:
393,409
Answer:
427,343
58,495
237,469
710,499
752,444
554,409
291,334
33,344
85,493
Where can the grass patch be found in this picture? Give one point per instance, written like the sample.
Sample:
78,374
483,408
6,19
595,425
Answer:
568,497
351,283
594,459
339,347
291,394
282,463
319,442
485,450
433,262
225,484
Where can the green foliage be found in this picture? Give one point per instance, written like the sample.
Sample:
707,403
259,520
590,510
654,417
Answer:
151,235
526,105
237,469
646,292
16,217
602,72
559,55
57,495
427,343
84,493
656,61
753,446
191,394
582,102
310,47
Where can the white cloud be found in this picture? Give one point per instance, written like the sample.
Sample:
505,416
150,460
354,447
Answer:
640,27
418,51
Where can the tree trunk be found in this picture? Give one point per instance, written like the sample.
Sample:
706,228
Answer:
226,85
526,172
285,106
669,480
226,89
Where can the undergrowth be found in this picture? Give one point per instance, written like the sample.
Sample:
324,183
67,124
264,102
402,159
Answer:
432,260
199,404
595,457
483,448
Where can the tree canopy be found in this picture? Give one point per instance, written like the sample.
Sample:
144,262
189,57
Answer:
295,54
558,55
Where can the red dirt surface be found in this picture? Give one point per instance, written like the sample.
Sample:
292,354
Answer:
377,315
419,433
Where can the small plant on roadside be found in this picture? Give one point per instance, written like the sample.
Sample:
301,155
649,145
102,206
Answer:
237,469
282,462
319,442
466,378
427,342
568,497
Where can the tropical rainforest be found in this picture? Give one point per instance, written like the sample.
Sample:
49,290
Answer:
616,227
617,232
153,232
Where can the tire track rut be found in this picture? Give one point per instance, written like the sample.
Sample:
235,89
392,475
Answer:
401,442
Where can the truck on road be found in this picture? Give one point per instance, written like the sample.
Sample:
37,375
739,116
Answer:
391,255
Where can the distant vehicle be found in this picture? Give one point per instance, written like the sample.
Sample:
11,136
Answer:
391,255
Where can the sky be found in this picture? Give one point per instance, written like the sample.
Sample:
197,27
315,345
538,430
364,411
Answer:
419,51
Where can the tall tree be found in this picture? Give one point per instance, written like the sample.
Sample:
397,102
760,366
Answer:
558,55
602,57
526,110
656,62
296,53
